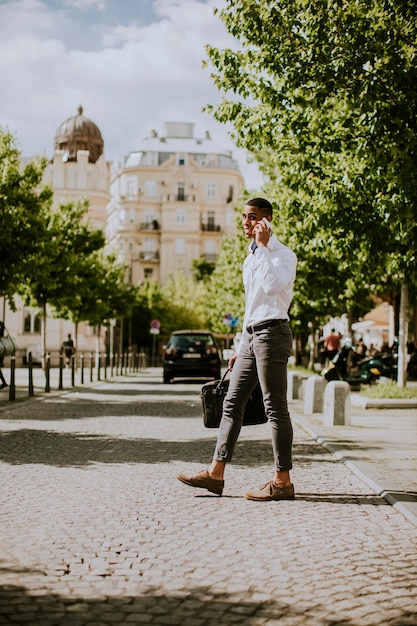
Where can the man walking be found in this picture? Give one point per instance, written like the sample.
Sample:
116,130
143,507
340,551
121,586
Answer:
265,346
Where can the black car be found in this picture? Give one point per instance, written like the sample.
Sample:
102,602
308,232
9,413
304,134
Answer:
191,354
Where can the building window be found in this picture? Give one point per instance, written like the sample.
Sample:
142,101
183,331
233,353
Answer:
210,251
26,323
131,185
181,217
150,188
230,194
148,272
181,191
181,159
31,322
180,245
149,245
211,190
210,220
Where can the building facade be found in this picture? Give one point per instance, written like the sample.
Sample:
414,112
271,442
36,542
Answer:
166,204
78,170
171,203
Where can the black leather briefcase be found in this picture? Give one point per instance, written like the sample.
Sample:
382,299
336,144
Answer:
212,396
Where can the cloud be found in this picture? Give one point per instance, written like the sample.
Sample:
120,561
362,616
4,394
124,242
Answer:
140,76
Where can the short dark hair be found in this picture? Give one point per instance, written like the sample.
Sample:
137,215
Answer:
260,203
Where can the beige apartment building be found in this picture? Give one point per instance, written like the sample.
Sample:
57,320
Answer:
168,203
171,202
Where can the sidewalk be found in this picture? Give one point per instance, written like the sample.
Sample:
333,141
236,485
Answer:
380,445
39,383
96,529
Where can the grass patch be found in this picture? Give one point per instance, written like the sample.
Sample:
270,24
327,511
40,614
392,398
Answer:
304,371
388,390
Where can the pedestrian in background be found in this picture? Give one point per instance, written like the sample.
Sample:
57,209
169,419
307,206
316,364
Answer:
332,345
262,355
68,347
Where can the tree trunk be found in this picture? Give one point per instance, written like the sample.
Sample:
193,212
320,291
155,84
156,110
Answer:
98,348
76,343
402,337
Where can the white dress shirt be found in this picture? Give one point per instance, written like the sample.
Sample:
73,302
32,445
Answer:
268,277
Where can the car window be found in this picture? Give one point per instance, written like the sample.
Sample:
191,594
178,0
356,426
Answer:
186,342
179,341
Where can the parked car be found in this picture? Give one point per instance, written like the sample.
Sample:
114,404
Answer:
191,354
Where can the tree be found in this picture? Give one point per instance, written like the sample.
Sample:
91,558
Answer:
60,256
184,301
24,207
324,96
98,292
226,293
202,269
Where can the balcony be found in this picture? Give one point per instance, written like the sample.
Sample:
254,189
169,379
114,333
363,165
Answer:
153,225
149,256
209,227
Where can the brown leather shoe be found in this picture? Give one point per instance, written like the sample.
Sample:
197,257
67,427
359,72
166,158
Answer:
271,491
204,481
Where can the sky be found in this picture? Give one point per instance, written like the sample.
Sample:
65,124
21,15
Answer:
131,64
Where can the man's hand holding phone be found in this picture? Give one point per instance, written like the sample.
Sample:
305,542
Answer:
262,232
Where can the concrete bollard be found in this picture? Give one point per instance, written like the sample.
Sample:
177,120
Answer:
314,395
337,404
294,385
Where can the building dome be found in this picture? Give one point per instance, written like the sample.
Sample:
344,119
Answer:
79,133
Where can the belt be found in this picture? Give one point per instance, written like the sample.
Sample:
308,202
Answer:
262,325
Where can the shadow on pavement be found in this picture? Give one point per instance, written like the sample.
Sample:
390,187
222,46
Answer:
58,409
28,446
199,605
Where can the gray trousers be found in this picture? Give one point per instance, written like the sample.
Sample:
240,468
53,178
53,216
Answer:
262,356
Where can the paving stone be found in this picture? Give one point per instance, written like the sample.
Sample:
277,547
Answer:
114,538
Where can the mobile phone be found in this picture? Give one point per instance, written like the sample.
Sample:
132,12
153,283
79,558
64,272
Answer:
267,222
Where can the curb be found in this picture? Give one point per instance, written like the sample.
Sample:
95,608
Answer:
362,402
403,502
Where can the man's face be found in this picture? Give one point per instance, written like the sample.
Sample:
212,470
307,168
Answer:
250,217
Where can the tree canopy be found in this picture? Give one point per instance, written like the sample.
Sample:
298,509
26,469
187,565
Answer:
324,96
24,205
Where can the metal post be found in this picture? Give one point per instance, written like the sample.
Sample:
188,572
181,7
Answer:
61,367
30,371
47,373
91,367
73,370
12,387
82,368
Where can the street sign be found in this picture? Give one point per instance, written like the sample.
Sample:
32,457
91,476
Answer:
156,324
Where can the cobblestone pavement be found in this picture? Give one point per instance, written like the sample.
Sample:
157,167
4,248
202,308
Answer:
95,530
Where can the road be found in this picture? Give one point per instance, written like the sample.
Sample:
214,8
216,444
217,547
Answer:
96,530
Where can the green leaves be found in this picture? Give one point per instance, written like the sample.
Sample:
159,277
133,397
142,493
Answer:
24,206
324,96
